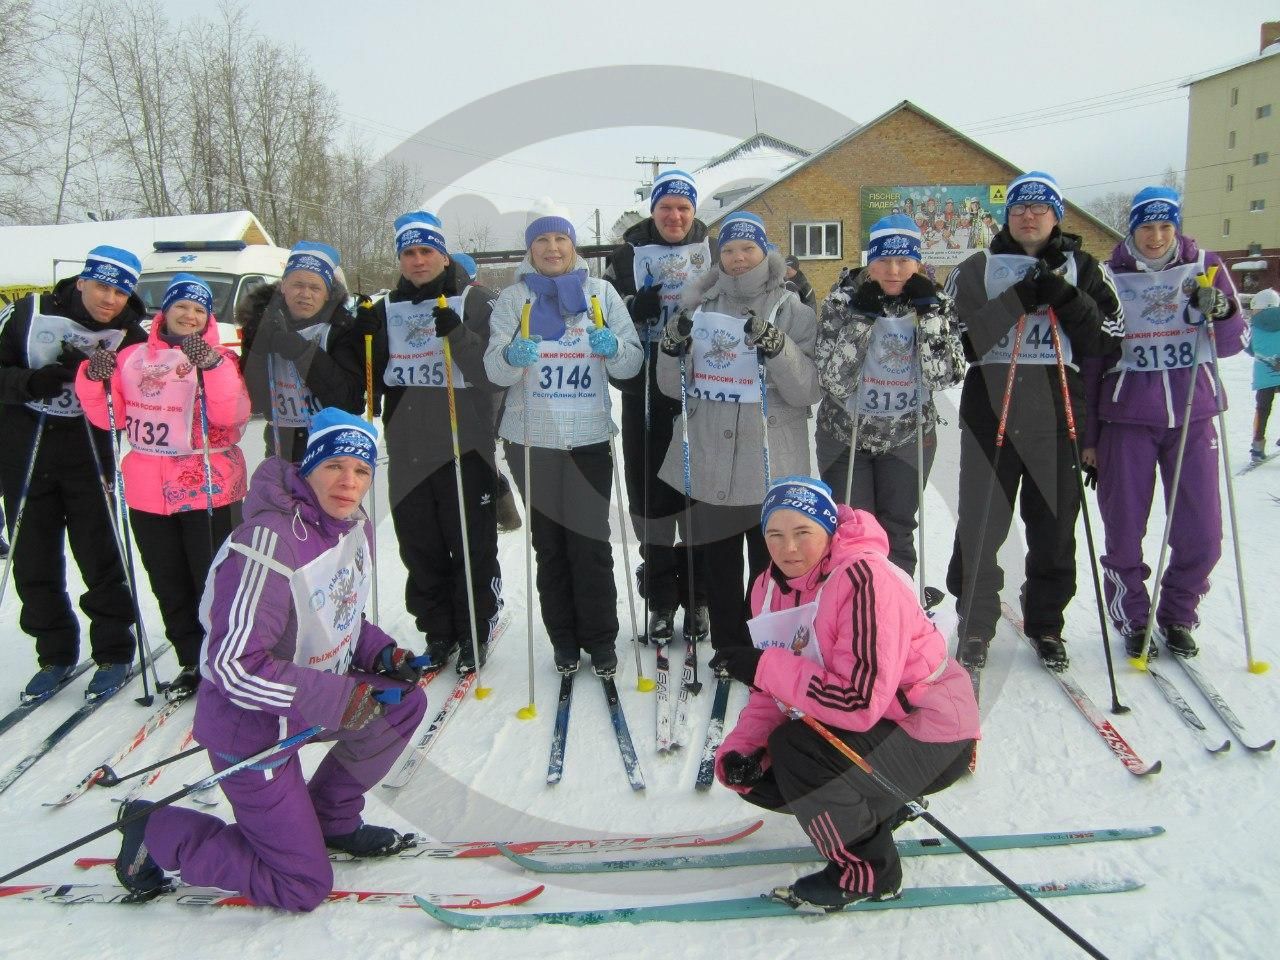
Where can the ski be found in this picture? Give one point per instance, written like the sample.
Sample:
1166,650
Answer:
76,893
560,732
630,762
24,709
715,734
920,847
1254,464
149,726
662,683
468,849
1173,696
60,733
975,678
1106,730
142,783
1220,705
680,726
434,671
413,758
747,908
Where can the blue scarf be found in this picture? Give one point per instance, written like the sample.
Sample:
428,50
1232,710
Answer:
554,299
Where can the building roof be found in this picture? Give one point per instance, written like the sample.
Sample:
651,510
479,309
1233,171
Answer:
31,251
1269,51
859,130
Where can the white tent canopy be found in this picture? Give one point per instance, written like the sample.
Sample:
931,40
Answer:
41,255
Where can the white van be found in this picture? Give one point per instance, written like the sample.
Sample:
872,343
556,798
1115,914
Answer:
231,268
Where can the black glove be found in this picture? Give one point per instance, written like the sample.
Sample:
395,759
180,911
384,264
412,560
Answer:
102,365
646,305
1212,302
47,382
198,351
1090,476
71,356
447,320
763,335
401,664
921,292
869,298
740,663
281,339
675,338
741,770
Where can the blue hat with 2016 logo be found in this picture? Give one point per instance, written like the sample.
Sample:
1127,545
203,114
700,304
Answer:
420,229
673,183
187,286
805,495
1156,205
318,258
113,266
336,433
894,236
1034,186
744,225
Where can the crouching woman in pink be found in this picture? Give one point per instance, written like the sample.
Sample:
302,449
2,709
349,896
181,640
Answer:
838,634
288,648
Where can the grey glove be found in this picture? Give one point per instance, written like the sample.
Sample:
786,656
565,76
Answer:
1212,302
763,335
675,338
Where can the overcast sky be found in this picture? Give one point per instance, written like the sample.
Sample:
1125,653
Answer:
1088,92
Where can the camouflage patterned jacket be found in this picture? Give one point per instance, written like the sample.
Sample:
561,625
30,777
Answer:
844,334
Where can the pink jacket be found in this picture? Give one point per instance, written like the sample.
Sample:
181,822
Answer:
879,651
171,483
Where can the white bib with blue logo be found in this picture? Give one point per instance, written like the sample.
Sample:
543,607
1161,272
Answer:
1156,334
890,381
329,597
45,338
673,267
724,367
294,402
794,629
416,353
1003,270
567,378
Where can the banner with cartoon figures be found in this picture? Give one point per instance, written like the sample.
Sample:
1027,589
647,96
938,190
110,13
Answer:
10,295
954,220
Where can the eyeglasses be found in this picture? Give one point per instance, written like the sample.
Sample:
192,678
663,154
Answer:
1035,209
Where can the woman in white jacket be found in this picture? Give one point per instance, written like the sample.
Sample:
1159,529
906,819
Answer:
556,370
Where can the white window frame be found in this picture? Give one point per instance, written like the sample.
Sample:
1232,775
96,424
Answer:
1257,206
825,225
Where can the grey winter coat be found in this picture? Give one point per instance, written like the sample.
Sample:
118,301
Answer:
726,440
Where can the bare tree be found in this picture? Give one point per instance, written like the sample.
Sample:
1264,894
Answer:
20,105
1112,209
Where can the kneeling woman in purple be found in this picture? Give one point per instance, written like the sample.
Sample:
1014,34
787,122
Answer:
838,634
288,647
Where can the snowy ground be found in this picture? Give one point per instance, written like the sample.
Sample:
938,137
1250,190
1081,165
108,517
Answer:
1041,768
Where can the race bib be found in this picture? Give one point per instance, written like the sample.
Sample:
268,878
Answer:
45,338
890,382
1003,270
1156,334
724,367
159,389
673,267
292,399
416,353
567,377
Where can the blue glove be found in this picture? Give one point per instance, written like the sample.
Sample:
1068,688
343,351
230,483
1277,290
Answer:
603,342
522,351
392,695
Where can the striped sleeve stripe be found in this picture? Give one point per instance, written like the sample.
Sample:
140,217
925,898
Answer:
239,683
862,677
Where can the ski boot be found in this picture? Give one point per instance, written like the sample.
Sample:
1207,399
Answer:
108,678
605,663
1178,638
1133,644
1256,452
368,841
1052,650
508,517
183,686
467,660
46,683
135,869
440,651
823,890
662,624
697,623
566,661
972,652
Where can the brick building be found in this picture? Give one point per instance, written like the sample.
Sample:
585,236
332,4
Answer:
816,208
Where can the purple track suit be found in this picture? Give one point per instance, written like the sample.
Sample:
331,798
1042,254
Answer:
1136,401
272,667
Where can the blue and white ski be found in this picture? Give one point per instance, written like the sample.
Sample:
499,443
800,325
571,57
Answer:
715,734
560,733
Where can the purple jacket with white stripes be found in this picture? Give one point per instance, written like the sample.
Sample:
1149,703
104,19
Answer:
253,693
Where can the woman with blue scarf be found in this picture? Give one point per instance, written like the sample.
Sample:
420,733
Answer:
545,347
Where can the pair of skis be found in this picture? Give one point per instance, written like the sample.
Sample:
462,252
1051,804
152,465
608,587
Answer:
27,707
621,733
672,734
1216,700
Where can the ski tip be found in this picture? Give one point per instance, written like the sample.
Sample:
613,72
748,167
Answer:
1263,747
1259,666
526,897
483,692
527,713
645,685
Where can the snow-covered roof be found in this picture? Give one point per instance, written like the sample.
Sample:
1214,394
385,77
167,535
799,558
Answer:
30,251
1268,51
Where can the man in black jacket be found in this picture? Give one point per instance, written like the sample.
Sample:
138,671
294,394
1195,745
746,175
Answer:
1030,269
657,257
43,432
799,284
409,376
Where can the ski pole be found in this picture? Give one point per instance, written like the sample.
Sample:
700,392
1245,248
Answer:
646,544
855,424
288,743
271,402
22,504
124,543
1253,666
373,487
529,711
888,786
764,406
920,470
481,690
1018,329
1140,662
643,683
107,777
203,398
695,686
1074,439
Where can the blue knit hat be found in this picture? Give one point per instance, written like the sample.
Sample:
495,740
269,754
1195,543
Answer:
549,224
744,225
336,433
187,286
805,495
894,236
1034,186
420,229
318,258
673,183
466,262
113,266
1156,205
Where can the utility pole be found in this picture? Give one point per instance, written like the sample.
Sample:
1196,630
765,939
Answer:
597,226
655,166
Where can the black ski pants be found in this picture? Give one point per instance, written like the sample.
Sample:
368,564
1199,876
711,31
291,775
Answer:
177,551
722,534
